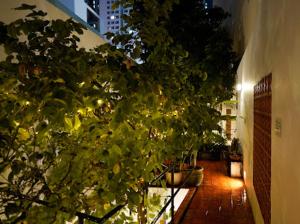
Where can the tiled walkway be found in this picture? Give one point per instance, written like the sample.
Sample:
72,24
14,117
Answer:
220,199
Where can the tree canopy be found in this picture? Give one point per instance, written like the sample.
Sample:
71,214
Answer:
86,130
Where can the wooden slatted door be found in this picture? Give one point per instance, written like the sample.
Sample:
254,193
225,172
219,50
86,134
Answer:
262,145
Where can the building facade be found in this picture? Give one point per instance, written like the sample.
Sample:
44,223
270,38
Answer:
55,10
267,36
111,16
103,15
87,10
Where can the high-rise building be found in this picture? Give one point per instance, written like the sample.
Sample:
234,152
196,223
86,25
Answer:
93,16
102,15
111,16
87,10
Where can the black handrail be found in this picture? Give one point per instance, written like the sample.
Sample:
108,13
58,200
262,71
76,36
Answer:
82,216
119,207
159,176
172,193
111,213
171,199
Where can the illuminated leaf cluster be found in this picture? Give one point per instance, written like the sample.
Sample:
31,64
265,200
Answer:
86,130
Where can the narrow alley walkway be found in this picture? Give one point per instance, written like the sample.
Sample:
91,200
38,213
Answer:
220,199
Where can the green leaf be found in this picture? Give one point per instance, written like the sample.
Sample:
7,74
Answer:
25,7
116,168
3,165
69,123
23,134
116,150
59,80
77,123
3,183
134,198
99,120
36,13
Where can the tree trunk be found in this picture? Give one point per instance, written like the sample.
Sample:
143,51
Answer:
142,210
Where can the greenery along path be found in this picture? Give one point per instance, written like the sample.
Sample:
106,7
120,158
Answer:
84,130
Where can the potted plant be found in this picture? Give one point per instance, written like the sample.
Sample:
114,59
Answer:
179,167
177,176
213,149
196,177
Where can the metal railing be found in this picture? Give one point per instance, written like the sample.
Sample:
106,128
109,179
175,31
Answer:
83,216
172,197
160,213
104,218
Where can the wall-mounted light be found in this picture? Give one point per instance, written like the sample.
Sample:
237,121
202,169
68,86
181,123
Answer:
238,87
245,86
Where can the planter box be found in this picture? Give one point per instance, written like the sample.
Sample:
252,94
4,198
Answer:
235,166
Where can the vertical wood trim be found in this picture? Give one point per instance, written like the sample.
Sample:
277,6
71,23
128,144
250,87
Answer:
228,124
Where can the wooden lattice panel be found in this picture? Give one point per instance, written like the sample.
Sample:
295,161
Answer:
228,124
262,145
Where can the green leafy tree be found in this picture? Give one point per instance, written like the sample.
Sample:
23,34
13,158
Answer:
187,51
85,131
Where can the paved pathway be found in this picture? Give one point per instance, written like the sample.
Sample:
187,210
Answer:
220,199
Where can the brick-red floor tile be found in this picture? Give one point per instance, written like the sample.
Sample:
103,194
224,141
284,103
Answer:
220,199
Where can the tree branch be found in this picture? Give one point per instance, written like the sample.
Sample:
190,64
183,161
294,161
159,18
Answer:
131,125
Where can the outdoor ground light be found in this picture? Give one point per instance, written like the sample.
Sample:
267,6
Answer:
235,169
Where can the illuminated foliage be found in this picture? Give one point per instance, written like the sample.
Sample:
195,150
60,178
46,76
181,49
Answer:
84,130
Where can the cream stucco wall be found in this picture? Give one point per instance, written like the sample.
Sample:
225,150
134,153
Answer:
271,30
88,40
